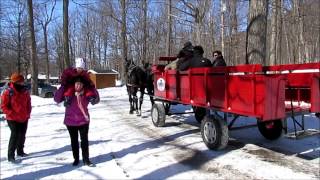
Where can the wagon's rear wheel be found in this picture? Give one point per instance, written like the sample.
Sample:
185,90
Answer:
214,132
199,113
270,129
158,115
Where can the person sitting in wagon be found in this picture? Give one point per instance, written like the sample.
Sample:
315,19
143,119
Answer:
68,77
184,54
197,60
218,59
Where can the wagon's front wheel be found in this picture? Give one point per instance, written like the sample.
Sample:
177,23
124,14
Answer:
270,129
214,132
158,115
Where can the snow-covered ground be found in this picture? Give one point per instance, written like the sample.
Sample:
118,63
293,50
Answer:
125,146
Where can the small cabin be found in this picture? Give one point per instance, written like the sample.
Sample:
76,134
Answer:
103,78
42,78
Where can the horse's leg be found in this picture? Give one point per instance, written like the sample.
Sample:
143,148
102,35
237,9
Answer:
135,100
150,92
141,100
130,100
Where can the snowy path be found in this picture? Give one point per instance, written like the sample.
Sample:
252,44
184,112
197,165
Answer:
125,146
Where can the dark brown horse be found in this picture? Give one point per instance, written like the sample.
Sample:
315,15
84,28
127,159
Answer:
138,79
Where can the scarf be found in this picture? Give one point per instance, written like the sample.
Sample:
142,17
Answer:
80,105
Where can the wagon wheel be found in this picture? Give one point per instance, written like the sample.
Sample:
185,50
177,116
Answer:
214,132
158,115
166,106
199,113
270,129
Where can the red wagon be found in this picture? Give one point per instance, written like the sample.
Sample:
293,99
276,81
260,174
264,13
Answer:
268,93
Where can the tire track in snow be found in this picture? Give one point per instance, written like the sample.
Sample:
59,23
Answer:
282,160
192,158
197,160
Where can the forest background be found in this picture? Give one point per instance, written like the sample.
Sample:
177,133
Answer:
45,36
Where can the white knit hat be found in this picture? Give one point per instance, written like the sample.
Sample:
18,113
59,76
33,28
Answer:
80,63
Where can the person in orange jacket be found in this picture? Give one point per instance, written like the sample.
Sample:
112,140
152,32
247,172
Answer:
16,105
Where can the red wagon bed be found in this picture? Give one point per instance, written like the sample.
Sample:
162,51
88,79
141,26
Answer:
268,93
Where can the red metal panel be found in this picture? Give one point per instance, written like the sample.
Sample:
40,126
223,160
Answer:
300,79
216,90
184,87
315,94
244,90
171,84
274,106
198,89
292,67
240,94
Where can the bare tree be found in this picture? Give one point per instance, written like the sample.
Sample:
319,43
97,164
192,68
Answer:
33,49
275,31
44,19
169,27
145,32
233,32
300,40
198,12
67,62
212,30
222,26
124,35
20,12
257,32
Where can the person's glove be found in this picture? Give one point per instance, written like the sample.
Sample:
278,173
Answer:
67,101
92,100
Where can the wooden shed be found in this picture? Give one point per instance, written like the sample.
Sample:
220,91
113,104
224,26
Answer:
103,78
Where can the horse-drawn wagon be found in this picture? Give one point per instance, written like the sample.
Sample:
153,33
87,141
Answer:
268,93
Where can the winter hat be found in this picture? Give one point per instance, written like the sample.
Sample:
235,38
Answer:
16,77
188,46
80,63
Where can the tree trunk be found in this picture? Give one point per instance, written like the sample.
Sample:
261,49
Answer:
46,52
274,31
302,48
198,21
34,65
168,38
279,33
145,33
212,32
124,37
256,32
233,30
19,42
66,34
223,9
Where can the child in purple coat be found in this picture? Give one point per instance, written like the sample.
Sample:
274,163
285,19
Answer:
77,118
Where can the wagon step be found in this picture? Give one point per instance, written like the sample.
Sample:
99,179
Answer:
302,134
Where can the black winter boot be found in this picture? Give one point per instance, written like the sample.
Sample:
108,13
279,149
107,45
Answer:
87,162
75,162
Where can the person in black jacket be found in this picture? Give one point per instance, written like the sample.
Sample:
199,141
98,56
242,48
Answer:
218,59
184,54
197,60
